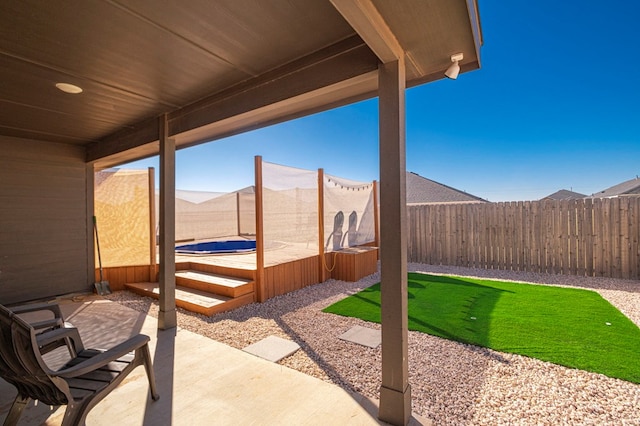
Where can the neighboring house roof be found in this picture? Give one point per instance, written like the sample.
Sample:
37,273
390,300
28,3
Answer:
421,190
197,197
628,188
564,194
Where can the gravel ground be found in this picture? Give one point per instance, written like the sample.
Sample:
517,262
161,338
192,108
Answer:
451,383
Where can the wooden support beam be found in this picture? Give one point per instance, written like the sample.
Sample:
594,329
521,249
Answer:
238,230
395,392
91,242
376,219
260,289
363,17
322,273
152,223
167,316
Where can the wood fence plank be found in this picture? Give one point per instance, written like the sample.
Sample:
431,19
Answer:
422,234
556,238
436,232
504,235
588,237
470,235
615,238
507,235
421,248
589,240
592,237
547,262
460,234
482,237
497,236
517,236
433,220
564,238
427,247
450,241
534,244
605,227
446,235
497,224
525,254
625,245
598,236
579,248
414,228
574,235
634,232
474,247
607,247
634,218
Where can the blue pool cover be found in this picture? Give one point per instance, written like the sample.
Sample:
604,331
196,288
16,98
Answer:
218,247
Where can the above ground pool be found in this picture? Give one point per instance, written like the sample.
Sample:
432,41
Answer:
218,247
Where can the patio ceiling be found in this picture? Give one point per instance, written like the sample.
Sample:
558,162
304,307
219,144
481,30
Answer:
216,68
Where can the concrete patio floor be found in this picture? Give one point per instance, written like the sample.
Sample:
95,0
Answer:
200,381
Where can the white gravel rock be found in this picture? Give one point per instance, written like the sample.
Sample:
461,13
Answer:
451,383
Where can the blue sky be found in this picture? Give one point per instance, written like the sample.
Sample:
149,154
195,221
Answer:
556,105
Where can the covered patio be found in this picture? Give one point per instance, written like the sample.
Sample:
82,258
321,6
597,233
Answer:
139,79
200,380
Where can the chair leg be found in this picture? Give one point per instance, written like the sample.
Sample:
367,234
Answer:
16,410
150,374
75,414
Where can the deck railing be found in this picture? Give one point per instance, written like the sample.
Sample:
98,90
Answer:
588,237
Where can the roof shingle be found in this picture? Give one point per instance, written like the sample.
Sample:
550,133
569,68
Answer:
630,187
421,190
565,194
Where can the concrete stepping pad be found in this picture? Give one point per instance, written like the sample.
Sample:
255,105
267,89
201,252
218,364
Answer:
272,348
363,336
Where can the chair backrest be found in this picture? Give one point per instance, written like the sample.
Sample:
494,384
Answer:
21,363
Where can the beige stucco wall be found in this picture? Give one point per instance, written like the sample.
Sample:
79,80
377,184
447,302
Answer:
43,220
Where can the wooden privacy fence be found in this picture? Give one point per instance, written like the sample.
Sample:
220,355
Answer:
590,237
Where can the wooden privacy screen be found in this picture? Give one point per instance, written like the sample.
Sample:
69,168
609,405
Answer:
590,237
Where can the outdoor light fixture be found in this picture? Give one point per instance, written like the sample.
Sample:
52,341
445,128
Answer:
69,88
454,69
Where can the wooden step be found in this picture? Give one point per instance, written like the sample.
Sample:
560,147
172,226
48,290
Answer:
194,300
214,283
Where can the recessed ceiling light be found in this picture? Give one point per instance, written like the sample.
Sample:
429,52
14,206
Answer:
69,88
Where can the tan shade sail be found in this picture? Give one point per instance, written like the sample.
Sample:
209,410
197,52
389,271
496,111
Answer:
122,213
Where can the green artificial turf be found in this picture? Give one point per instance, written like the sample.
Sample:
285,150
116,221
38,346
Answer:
571,327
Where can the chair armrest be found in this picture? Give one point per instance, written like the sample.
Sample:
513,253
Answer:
61,335
102,359
48,323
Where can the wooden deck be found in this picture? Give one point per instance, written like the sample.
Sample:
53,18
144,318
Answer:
274,256
212,283
209,284
194,300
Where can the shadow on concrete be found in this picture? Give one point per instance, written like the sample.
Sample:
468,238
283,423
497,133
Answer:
164,363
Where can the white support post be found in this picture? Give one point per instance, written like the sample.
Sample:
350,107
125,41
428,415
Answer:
167,316
395,392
